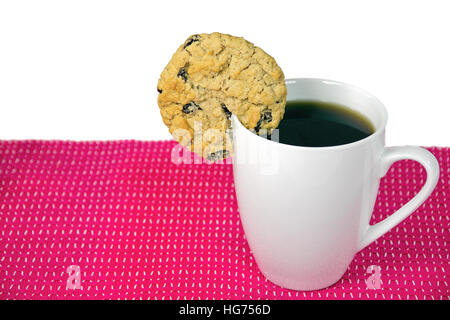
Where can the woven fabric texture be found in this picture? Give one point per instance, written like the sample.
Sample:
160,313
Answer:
119,220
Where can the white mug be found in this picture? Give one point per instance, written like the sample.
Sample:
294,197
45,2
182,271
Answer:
306,210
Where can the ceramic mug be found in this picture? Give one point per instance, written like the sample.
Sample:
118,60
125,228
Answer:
306,210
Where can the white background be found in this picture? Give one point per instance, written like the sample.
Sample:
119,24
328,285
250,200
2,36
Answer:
87,70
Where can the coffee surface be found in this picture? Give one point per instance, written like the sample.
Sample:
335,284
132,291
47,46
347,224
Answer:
322,124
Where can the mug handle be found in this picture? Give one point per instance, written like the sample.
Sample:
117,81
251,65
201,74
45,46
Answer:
389,156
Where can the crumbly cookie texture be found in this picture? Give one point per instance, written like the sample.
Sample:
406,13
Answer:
212,76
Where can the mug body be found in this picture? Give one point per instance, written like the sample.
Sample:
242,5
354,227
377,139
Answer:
303,209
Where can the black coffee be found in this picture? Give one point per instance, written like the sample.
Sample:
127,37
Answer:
322,124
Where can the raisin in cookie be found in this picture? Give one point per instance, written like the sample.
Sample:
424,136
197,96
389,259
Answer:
212,76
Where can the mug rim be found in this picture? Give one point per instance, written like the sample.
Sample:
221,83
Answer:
379,130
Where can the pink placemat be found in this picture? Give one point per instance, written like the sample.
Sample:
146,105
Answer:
119,220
